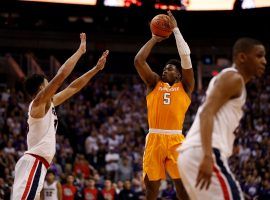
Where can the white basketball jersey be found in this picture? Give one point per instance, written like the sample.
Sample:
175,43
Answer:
225,122
50,191
41,139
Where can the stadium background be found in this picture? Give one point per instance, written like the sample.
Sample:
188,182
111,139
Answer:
102,129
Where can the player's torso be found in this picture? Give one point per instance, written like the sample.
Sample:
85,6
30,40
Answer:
41,134
226,121
167,106
50,191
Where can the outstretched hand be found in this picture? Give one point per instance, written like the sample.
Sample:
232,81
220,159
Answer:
82,47
102,60
173,22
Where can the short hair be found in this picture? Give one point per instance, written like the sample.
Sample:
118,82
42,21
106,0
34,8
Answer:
244,45
50,171
176,63
33,83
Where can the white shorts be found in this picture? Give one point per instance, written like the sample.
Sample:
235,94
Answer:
223,184
30,172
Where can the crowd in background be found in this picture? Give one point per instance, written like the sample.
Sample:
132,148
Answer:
101,133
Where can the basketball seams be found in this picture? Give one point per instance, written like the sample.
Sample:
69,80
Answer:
160,25
162,29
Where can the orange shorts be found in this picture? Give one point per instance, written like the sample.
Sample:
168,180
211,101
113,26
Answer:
160,156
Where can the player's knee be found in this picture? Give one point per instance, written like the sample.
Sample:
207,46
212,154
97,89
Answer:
151,186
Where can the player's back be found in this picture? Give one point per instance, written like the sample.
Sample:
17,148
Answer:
225,122
167,106
50,191
41,134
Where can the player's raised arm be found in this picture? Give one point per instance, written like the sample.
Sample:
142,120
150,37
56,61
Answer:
149,77
227,87
184,52
45,95
80,82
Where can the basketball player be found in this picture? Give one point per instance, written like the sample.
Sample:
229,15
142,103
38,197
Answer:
52,189
31,168
203,155
168,98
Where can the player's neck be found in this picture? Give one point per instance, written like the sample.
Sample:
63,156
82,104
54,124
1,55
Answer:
50,182
172,83
243,73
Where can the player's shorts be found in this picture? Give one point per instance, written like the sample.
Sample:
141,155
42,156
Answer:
160,156
223,184
30,172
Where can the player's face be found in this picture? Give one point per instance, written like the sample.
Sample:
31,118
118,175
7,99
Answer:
50,177
256,61
170,73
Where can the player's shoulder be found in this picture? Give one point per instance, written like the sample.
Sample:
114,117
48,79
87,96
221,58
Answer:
230,82
231,77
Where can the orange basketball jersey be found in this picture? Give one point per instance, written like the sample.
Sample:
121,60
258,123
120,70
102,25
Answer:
167,106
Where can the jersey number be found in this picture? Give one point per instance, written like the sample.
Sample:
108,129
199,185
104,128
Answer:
166,98
48,193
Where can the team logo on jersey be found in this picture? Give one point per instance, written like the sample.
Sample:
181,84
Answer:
172,89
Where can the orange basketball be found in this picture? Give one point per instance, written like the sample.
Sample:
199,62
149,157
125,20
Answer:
160,25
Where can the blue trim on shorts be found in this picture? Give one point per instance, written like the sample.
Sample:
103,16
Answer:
233,186
33,190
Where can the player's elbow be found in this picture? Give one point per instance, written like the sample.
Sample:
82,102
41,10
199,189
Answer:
138,61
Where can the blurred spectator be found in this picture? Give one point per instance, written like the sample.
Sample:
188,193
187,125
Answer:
112,166
265,190
169,193
90,191
9,149
4,189
125,171
127,193
56,167
108,191
119,187
69,190
82,166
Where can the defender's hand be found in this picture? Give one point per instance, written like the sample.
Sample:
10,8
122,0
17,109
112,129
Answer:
205,173
82,47
102,60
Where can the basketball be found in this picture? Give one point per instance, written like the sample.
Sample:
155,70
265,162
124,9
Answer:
160,25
